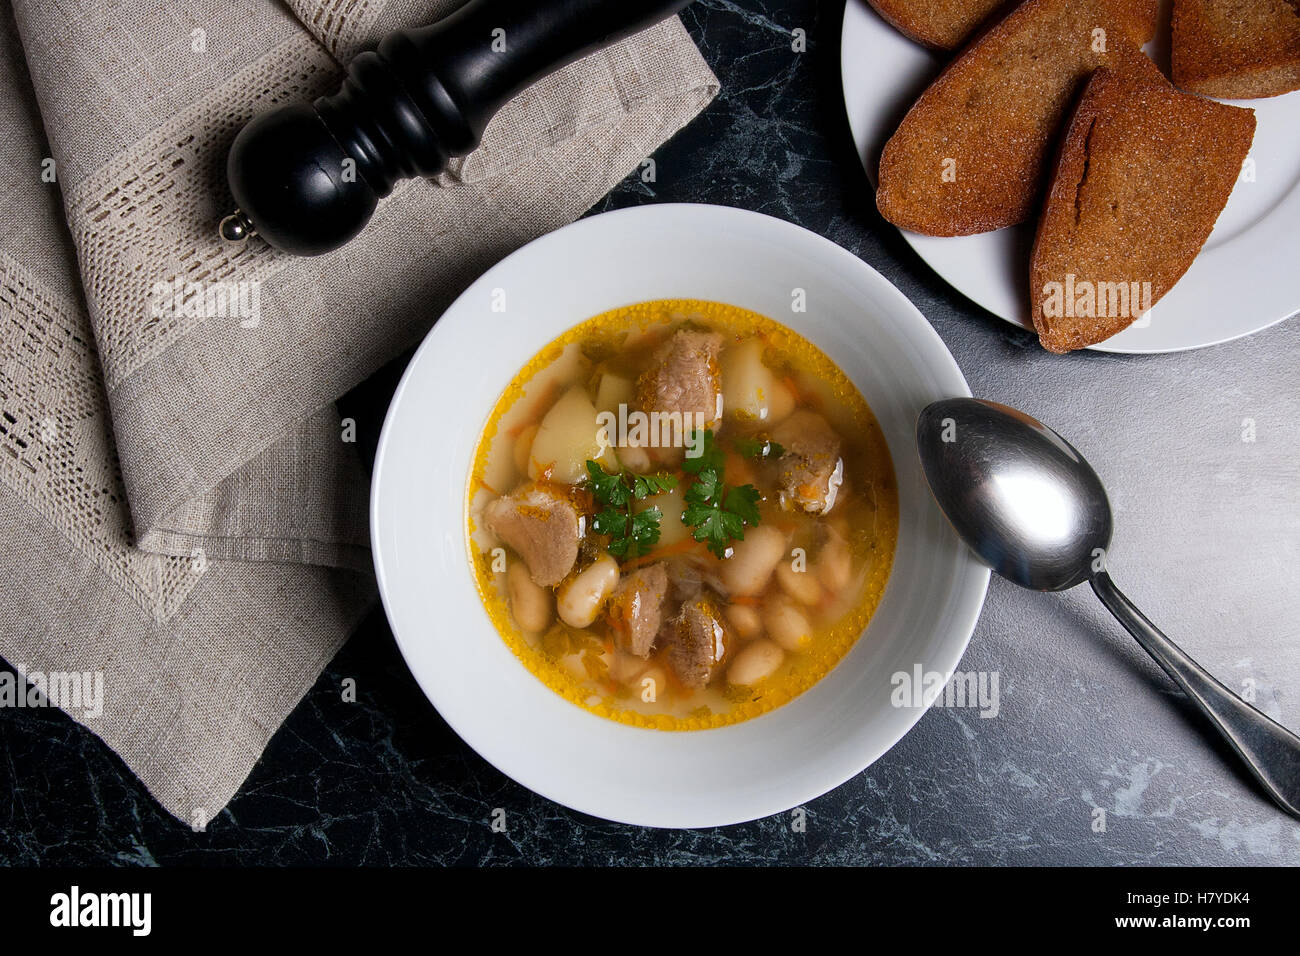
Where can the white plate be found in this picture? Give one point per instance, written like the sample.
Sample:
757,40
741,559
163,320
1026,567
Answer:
656,778
1244,279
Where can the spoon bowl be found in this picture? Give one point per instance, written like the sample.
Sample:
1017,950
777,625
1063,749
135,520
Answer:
1034,510
1021,496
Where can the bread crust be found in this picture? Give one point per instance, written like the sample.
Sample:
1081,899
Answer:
1236,49
1142,175
973,154
948,24
938,24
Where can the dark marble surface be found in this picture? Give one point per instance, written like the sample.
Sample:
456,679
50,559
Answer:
1208,535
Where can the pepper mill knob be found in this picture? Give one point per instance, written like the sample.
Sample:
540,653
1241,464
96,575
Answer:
236,227
307,178
295,185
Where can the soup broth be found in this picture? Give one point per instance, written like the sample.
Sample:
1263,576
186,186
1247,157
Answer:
682,514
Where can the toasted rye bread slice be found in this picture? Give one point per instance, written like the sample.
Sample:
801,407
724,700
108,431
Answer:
941,24
1143,174
1140,18
1237,49
947,24
973,153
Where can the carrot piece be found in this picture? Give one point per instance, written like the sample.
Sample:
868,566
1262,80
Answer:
685,546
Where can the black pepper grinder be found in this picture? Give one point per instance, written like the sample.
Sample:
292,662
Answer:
307,178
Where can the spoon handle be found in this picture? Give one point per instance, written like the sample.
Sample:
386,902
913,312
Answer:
1270,750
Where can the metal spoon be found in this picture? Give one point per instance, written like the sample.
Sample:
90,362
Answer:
1034,510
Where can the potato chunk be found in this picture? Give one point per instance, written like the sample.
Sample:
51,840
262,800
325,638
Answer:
567,437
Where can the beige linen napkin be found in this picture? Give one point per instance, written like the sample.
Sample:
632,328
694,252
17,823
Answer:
184,511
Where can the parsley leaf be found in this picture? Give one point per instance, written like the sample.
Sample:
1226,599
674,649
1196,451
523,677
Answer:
756,448
743,503
607,489
645,529
710,456
643,486
707,486
717,513
615,493
610,522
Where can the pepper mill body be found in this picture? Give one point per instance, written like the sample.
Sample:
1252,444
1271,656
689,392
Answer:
307,178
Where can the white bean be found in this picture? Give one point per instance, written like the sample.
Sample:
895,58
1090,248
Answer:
745,620
755,662
787,624
800,585
580,597
751,564
529,602
834,564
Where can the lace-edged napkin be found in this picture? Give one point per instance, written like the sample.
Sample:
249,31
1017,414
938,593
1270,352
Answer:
185,516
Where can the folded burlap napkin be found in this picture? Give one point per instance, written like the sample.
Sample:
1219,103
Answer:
184,512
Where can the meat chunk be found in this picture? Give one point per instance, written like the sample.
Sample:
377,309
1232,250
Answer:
685,579
685,379
542,527
636,609
699,643
811,470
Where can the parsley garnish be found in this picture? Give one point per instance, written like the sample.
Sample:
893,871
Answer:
615,494
710,457
755,448
717,512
